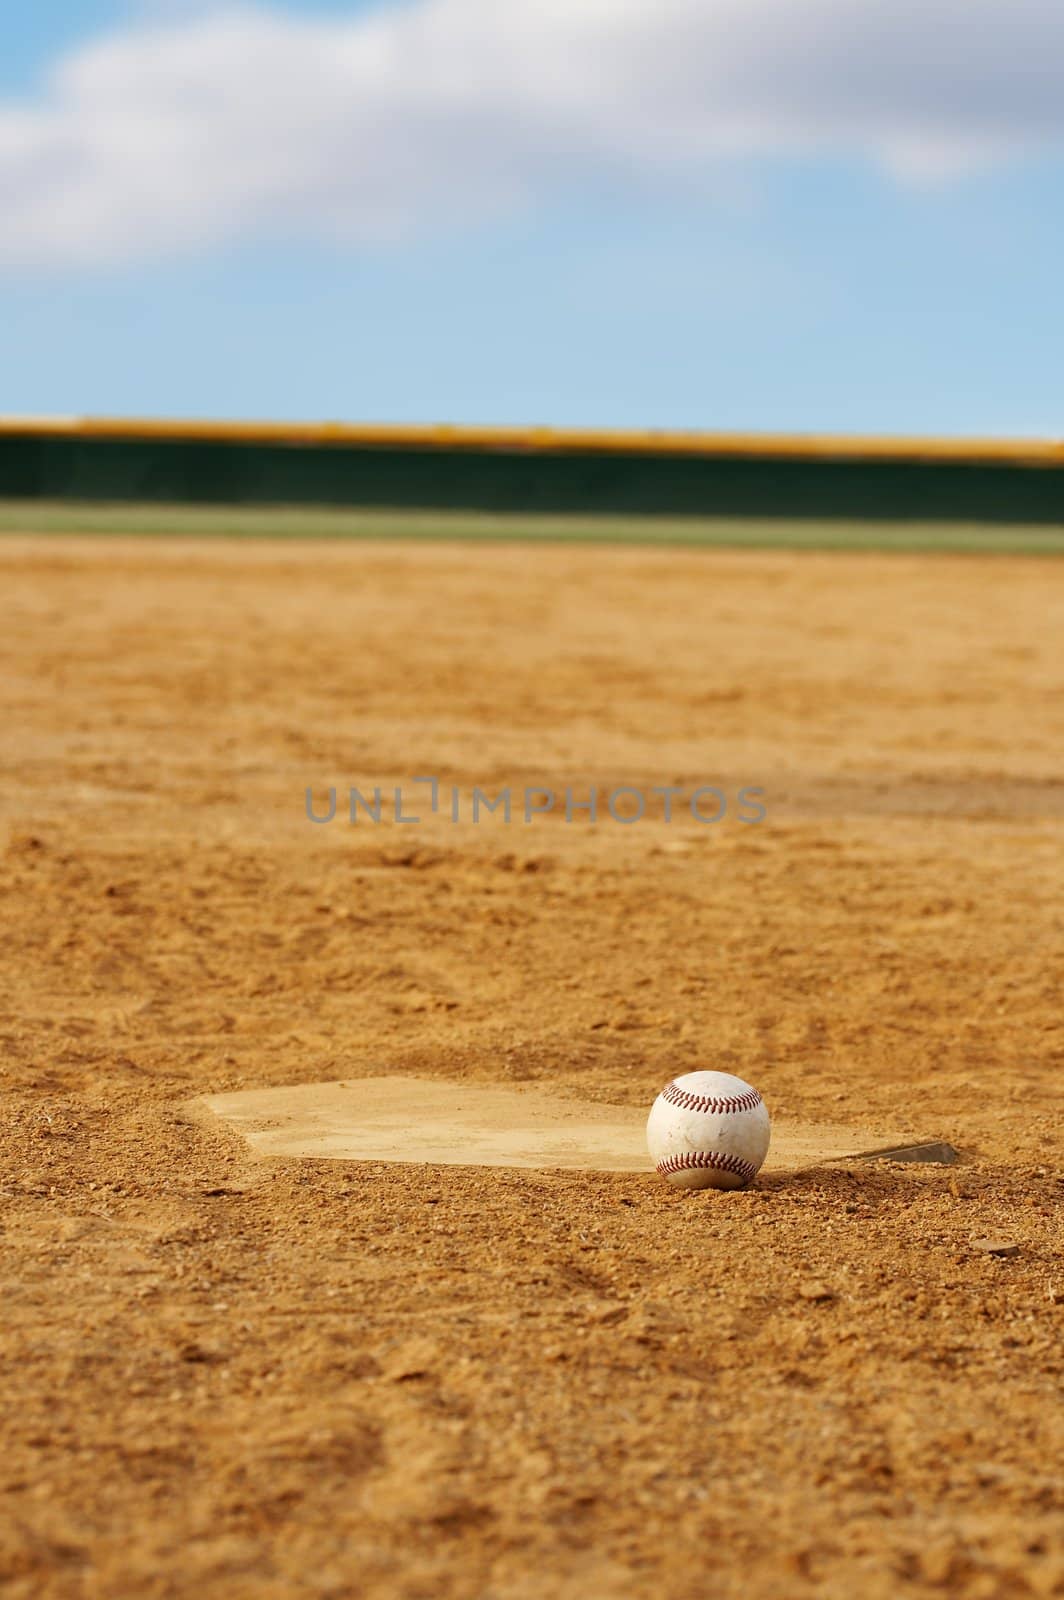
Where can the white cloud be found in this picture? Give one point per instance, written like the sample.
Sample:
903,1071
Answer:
196,127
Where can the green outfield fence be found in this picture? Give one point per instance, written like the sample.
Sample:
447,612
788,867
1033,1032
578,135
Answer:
533,471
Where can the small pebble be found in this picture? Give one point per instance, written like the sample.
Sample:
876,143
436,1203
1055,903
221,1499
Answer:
813,1289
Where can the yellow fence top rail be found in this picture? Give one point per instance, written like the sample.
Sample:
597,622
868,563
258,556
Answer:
444,436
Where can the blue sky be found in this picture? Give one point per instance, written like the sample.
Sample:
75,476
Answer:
527,211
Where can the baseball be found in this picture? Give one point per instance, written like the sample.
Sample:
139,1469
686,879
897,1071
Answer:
708,1130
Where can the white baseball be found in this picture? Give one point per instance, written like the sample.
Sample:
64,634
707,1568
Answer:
708,1130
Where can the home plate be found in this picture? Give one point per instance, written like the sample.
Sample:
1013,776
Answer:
441,1123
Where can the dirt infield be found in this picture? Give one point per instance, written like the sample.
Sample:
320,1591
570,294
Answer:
235,1377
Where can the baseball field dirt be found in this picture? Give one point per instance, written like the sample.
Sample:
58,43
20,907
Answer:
239,1376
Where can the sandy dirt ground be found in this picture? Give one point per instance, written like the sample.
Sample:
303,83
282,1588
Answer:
233,1377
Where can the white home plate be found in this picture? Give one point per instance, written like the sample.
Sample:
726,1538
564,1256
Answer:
441,1123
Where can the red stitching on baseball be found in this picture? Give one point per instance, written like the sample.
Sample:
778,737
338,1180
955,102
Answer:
708,1158
702,1102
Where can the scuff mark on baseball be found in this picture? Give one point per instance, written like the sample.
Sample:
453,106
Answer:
708,1130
